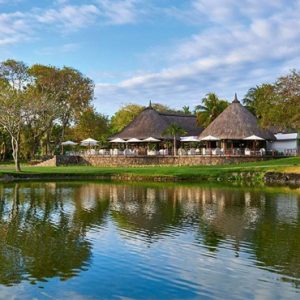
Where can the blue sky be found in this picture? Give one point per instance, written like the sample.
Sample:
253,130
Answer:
169,51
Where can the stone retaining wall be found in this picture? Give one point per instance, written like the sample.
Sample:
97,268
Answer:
282,178
122,161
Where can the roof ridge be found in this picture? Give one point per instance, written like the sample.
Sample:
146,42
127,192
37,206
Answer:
175,114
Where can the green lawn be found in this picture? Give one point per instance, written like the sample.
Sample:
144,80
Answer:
281,165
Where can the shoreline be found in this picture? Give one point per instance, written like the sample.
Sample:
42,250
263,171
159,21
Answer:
268,178
282,172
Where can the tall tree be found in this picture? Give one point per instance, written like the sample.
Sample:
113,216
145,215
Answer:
47,88
124,116
14,105
277,105
77,94
68,89
288,90
175,131
257,97
90,124
211,107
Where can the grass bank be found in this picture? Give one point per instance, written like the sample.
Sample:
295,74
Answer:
254,171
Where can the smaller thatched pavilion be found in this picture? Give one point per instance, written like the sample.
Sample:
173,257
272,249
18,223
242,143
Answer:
235,130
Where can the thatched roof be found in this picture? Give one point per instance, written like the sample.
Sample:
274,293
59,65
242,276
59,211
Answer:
152,123
235,123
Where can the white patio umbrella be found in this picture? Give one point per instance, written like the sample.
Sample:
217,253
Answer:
89,142
253,138
133,140
151,139
189,139
210,138
118,140
68,143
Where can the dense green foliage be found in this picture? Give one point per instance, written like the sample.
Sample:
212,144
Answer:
35,101
211,107
277,105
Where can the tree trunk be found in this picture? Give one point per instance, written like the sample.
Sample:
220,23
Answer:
62,139
15,147
174,146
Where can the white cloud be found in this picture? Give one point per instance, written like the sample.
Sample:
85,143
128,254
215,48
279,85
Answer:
71,17
18,26
104,12
120,12
65,48
14,28
247,43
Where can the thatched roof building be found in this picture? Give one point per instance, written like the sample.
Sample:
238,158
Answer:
235,123
152,123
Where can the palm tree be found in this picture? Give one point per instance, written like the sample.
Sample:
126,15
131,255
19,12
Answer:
186,110
211,107
174,130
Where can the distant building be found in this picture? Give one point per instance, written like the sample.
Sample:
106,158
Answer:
286,143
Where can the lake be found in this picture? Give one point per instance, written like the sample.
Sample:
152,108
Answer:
94,240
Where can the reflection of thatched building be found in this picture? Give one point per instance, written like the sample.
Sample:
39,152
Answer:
152,123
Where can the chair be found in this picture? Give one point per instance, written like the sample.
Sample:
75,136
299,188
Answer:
181,152
192,151
163,152
216,151
128,152
102,152
247,151
151,152
115,152
262,151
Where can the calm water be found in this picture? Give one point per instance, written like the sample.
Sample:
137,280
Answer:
104,241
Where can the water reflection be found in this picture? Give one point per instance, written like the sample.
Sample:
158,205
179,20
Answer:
51,230
43,232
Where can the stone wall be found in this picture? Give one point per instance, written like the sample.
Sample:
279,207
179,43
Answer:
122,161
62,160
282,178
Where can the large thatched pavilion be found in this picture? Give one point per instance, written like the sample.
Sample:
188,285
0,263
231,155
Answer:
151,124
236,131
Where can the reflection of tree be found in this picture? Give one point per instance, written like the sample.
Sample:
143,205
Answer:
42,232
43,227
148,211
277,244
